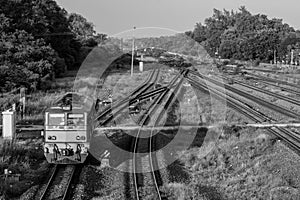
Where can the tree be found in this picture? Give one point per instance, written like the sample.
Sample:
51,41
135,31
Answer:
244,36
81,27
24,59
43,19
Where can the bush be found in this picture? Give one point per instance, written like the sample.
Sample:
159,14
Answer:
256,62
226,62
27,160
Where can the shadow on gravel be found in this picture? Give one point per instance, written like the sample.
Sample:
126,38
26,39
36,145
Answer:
199,138
209,192
178,173
91,160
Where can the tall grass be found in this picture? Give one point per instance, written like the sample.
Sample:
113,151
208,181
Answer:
24,158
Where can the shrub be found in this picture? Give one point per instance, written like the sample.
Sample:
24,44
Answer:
256,63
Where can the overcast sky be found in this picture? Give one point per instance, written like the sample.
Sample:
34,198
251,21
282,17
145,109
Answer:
114,16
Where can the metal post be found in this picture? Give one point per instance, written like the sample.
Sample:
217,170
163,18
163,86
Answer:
275,62
132,53
292,57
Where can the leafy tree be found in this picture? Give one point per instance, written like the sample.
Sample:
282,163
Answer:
81,27
24,59
244,36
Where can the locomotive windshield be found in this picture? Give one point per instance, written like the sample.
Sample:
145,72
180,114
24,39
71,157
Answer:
75,119
56,119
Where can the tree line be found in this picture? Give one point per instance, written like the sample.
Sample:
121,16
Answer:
244,36
40,40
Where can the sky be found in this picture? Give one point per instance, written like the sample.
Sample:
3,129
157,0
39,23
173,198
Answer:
115,16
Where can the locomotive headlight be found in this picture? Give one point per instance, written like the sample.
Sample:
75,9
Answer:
82,137
51,137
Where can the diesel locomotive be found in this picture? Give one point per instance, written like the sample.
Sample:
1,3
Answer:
68,129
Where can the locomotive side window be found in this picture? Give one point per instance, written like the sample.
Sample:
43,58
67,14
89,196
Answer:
56,119
75,120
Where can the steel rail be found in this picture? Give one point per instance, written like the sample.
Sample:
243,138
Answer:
279,96
274,80
278,86
291,138
50,181
262,102
68,187
143,120
126,99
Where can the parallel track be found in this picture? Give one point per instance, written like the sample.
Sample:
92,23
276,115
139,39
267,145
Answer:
282,97
262,102
156,104
56,179
288,136
268,79
281,87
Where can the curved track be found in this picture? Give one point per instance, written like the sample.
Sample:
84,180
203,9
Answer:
145,119
135,95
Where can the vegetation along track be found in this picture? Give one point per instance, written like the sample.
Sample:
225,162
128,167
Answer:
255,99
145,119
134,95
291,138
59,184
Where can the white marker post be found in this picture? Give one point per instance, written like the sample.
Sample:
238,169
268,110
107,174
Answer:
9,124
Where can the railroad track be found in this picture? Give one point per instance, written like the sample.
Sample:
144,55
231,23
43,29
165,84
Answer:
145,119
59,184
282,97
268,79
281,87
291,138
129,99
262,102
277,73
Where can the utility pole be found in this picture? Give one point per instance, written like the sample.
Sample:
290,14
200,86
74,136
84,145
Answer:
275,62
292,57
132,52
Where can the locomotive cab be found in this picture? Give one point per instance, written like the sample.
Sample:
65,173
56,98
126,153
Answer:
67,134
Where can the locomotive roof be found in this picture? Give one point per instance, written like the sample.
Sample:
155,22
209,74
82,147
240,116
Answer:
75,100
62,110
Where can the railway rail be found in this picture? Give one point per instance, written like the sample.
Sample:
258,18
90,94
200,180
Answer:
279,96
268,79
145,119
290,137
275,72
262,102
62,175
281,87
129,99
109,108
